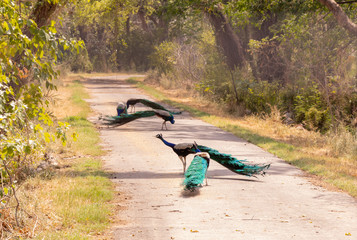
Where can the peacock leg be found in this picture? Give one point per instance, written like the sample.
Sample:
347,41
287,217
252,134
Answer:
206,179
183,163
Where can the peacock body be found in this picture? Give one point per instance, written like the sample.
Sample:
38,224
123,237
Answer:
197,171
233,164
181,149
148,103
165,115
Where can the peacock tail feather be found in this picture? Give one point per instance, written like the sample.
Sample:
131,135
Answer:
155,105
125,118
233,164
195,173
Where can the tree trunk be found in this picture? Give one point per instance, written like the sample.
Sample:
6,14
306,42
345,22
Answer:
144,25
340,16
43,11
226,39
127,26
270,66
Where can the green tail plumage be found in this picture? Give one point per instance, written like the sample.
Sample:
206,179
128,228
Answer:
155,105
234,164
125,118
196,172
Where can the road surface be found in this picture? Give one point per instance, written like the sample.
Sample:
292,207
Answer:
281,205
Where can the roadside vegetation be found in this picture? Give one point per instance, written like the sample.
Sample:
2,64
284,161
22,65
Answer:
80,190
71,196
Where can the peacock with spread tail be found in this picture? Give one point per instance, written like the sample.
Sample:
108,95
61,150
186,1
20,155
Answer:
197,171
133,101
123,118
227,160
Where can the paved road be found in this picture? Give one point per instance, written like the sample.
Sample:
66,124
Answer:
281,205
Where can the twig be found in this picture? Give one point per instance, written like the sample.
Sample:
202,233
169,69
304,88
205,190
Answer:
33,230
14,192
2,232
353,1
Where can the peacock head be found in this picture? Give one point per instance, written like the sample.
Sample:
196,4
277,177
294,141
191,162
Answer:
196,147
171,119
159,135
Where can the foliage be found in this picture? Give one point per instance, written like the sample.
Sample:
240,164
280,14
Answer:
27,67
164,58
311,110
288,45
257,97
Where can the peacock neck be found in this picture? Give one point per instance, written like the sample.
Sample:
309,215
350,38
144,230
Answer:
167,143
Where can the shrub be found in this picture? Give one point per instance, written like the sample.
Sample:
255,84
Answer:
311,110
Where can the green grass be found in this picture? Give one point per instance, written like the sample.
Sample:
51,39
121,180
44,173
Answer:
81,193
88,140
78,95
82,202
322,166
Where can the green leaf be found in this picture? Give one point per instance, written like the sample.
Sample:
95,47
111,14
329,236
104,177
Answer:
74,136
27,149
47,137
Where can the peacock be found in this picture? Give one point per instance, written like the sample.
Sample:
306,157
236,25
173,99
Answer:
121,108
197,171
227,160
166,116
125,118
132,101
181,149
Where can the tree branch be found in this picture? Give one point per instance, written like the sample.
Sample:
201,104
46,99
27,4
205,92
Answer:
344,2
340,16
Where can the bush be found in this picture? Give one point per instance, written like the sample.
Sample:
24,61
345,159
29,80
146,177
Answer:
258,96
311,110
163,58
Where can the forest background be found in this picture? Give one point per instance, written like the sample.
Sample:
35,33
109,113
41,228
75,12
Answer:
294,58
